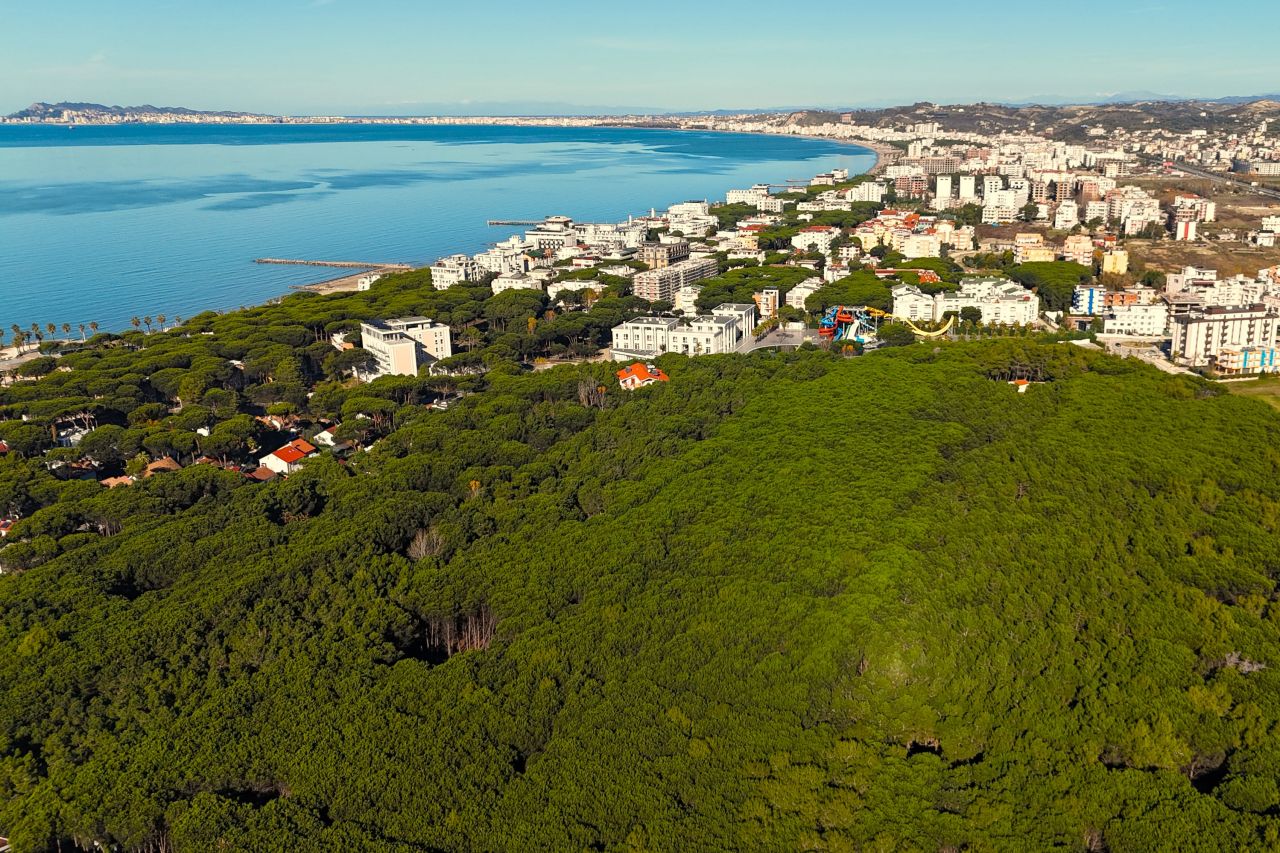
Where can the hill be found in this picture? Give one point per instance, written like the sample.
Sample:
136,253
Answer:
782,602
1068,122
41,111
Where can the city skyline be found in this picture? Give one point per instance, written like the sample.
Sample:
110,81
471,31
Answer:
334,57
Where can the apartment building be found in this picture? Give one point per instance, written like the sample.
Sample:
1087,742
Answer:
816,236
447,272
1151,320
1222,335
721,331
661,284
401,345
662,254
1002,302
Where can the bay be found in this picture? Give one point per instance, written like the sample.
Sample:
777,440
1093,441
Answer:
106,223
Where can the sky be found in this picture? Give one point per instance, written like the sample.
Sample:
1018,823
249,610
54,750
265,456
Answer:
387,57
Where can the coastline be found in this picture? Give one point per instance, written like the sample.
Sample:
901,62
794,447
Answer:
349,284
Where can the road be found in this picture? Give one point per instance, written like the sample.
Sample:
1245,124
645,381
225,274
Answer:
1227,179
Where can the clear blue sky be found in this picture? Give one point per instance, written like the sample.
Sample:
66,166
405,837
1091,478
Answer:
397,56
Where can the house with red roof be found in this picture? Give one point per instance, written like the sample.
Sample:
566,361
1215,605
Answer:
288,459
639,375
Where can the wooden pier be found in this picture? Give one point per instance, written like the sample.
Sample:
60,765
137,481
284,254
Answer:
360,265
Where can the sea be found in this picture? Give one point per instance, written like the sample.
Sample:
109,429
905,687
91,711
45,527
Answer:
107,223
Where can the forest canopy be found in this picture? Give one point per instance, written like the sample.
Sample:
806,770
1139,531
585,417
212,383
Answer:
784,601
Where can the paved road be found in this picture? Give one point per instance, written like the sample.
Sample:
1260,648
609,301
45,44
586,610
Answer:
1222,178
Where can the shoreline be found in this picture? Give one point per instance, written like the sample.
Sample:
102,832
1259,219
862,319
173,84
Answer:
349,283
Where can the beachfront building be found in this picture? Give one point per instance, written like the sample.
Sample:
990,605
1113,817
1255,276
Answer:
400,346
691,218
447,272
661,284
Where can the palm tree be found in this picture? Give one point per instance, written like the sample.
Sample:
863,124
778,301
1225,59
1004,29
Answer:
136,323
147,320
82,332
66,328
93,327
1,337
17,330
19,338
51,328
177,320
160,318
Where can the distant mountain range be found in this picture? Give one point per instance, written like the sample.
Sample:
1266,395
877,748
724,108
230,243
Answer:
42,111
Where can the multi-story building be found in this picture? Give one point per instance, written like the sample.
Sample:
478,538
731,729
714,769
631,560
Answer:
818,237
661,284
555,233
447,272
797,295
721,331
515,281
1223,333
1001,302
1078,249
1066,216
401,345
968,188
663,254
1151,320
767,302
691,218
941,192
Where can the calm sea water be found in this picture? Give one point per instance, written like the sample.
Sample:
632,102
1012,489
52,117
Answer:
104,223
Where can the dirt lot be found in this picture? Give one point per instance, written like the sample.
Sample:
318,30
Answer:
1237,207
1228,259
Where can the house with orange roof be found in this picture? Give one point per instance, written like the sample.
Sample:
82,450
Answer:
288,459
639,375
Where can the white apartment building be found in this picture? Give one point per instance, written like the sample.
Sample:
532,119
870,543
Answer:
1002,302
942,192
686,299
1206,337
721,331
751,196
515,281
691,218
554,234
817,236
923,245
401,345
1067,216
508,256
1271,223
661,284
447,272
867,191
797,295
1150,320
968,188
